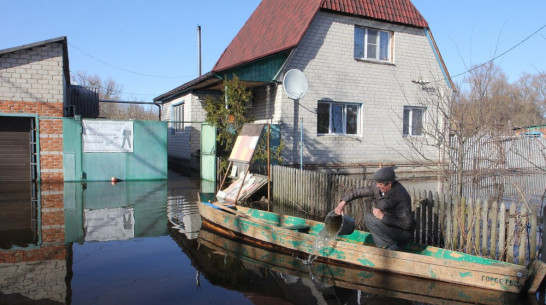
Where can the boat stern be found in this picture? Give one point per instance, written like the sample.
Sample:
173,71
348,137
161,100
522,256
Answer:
537,271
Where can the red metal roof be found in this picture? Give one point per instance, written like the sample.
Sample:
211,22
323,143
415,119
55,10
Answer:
396,11
279,25
275,26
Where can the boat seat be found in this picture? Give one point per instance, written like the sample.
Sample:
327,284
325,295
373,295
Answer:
299,228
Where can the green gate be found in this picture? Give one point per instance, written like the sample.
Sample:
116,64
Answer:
208,152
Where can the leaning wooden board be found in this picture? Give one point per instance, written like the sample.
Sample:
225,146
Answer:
355,249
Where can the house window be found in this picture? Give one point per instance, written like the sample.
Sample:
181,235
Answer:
338,118
178,118
413,121
372,44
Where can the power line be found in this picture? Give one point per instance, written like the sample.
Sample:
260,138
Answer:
502,54
102,87
123,69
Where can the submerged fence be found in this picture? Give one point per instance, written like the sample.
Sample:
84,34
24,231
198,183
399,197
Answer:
489,229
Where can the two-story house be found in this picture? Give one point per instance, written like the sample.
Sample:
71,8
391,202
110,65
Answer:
367,64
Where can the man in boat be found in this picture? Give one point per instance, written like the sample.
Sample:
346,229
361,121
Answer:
391,222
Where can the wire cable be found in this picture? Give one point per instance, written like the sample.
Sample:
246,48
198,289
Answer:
123,69
502,54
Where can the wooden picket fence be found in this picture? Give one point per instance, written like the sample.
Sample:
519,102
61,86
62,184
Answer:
488,229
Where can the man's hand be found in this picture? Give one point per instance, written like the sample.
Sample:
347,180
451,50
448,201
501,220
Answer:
377,213
339,208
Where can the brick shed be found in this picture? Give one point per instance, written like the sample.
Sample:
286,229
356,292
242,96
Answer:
33,91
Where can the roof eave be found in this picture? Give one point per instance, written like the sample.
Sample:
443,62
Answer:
61,39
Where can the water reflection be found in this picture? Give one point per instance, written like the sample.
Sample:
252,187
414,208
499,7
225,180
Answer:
18,215
142,243
284,278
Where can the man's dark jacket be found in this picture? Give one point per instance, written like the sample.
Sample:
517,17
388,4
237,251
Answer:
395,204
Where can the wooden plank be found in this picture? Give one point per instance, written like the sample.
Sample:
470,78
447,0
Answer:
462,222
485,227
502,231
456,211
449,224
511,234
533,235
418,219
524,217
470,219
422,216
430,214
437,214
477,235
494,214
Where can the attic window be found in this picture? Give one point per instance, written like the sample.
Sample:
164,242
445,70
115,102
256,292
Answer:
372,44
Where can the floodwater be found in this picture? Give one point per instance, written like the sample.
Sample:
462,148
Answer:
144,243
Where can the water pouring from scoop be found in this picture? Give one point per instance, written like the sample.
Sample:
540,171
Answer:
334,225
340,224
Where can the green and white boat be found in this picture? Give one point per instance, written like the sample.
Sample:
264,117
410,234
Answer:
356,250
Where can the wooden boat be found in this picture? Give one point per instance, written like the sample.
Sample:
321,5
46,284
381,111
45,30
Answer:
381,285
298,235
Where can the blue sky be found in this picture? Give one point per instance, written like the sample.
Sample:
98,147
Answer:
150,47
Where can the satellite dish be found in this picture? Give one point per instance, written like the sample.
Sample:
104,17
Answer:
295,84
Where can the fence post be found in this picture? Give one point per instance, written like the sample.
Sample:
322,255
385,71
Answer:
502,231
543,254
430,217
449,222
436,230
524,218
511,233
424,208
417,214
470,223
533,235
485,227
494,216
477,235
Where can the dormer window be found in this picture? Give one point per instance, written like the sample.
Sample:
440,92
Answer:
372,44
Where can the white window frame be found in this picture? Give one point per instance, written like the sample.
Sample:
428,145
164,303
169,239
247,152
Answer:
177,115
408,124
343,131
363,52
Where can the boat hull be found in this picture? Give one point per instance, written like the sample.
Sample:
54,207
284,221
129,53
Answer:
367,281
423,262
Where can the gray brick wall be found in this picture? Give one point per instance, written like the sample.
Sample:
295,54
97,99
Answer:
35,280
183,144
32,75
326,57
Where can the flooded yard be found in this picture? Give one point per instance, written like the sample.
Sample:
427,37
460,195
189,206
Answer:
144,243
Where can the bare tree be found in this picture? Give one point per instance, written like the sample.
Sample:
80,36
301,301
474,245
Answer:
533,91
469,127
108,89
111,90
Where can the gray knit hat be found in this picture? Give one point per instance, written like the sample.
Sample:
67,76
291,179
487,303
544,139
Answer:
384,174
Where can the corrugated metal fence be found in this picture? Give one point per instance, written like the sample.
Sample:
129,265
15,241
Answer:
488,229
496,167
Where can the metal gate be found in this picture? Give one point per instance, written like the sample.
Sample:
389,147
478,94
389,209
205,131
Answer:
208,152
17,148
